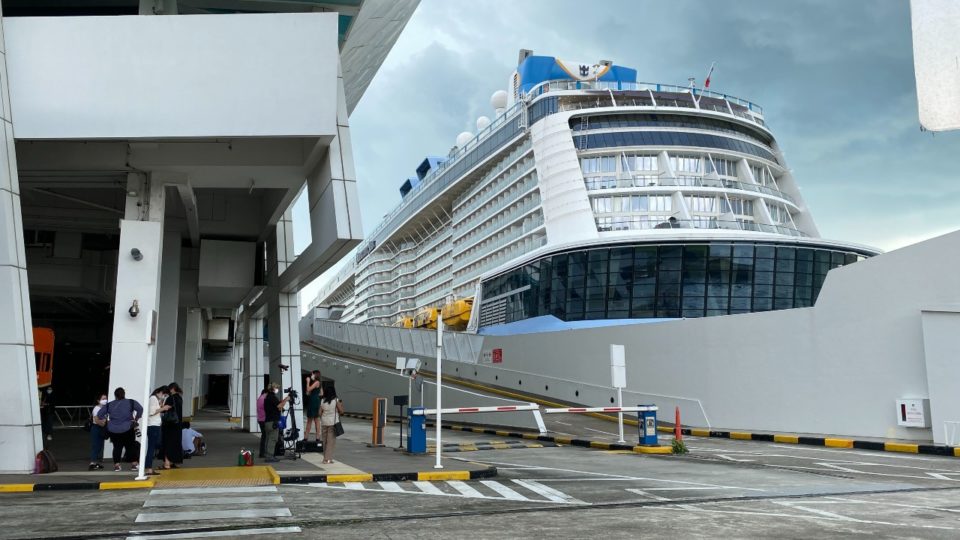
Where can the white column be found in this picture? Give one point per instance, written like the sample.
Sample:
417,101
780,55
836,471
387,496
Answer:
253,371
19,405
236,374
191,360
284,314
165,368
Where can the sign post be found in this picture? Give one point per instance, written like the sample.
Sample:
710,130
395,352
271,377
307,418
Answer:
439,387
618,375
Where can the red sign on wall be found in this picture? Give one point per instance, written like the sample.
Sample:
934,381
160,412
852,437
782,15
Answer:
497,356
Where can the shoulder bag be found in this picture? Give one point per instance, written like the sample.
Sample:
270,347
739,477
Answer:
337,426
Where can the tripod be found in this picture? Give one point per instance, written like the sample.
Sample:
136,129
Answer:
292,434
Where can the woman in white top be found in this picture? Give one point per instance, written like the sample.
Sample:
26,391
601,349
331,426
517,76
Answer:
330,410
155,409
98,434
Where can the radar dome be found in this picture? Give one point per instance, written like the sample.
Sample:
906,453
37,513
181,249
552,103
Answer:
464,138
499,99
482,123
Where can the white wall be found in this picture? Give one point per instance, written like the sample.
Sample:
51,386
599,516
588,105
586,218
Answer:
173,76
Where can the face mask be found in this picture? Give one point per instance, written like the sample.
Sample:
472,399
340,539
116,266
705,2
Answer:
277,391
103,402
49,390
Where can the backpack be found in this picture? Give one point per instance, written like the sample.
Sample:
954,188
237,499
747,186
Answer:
45,463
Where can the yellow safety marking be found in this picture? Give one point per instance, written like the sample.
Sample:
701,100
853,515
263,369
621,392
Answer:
446,475
503,433
235,420
478,430
740,435
792,439
601,445
456,428
700,432
258,475
562,440
901,447
534,446
340,478
653,449
618,451
665,429
143,484
15,488
838,443
956,452
274,475
530,435
500,445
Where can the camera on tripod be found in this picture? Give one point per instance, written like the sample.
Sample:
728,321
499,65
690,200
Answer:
292,393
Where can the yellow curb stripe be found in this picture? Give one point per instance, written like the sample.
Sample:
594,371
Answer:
236,420
601,445
700,432
15,488
901,447
478,430
446,475
562,440
530,435
274,476
653,449
136,484
665,429
791,439
956,452
340,478
743,436
503,433
838,443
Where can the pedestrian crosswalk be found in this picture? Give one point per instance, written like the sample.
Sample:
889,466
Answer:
197,512
514,490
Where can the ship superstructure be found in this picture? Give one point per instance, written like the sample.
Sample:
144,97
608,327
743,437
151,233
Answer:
592,196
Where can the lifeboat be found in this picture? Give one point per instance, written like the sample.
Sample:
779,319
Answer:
426,318
456,314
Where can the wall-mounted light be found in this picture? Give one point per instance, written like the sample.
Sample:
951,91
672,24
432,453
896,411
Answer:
134,309
136,254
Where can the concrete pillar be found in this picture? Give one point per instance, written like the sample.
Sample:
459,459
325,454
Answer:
236,374
19,404
139,262
165,368
181,344
193,343
284,313
253,371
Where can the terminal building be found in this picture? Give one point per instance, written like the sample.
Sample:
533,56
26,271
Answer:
151,152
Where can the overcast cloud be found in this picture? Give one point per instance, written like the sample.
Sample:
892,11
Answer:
835,79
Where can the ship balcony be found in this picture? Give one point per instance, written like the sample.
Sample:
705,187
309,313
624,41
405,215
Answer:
696,183
613,222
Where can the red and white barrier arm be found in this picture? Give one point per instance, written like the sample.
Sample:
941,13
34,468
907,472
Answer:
641,408
463,410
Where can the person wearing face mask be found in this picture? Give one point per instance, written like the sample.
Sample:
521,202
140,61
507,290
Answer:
272,405
155,410
97,434
313,405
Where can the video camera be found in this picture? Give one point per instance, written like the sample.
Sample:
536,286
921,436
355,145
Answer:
291,392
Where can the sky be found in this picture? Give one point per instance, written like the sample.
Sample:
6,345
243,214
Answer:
835,80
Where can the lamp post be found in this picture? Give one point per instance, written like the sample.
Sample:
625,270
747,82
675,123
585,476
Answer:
439,385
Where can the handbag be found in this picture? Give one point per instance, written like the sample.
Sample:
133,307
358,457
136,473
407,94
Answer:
337,426
170,416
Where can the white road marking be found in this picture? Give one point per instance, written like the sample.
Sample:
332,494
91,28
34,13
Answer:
466,490
353,485
392,487
212,534
604,432
213,514
645,494
548,492
728,458
692,488
503,490
694,508
210,491
155,502
428,488
823,513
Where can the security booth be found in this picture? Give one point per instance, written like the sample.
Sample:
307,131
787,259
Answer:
647,424
416,431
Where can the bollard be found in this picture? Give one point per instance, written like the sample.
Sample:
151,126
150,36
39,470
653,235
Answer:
647,427
379,420
677,431
416,431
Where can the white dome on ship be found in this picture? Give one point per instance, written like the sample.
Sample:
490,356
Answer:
482,123
464,138
499,99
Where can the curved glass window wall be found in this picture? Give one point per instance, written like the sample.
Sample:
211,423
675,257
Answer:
662,281
669,138
584,123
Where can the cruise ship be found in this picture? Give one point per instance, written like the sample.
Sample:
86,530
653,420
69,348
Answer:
592,198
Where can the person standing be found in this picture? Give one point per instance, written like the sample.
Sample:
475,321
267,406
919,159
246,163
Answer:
121,416
330,410
155,410
261,421
171,427
97,434
272,405
312,405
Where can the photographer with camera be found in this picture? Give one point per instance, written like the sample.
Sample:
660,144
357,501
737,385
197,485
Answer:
272,407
